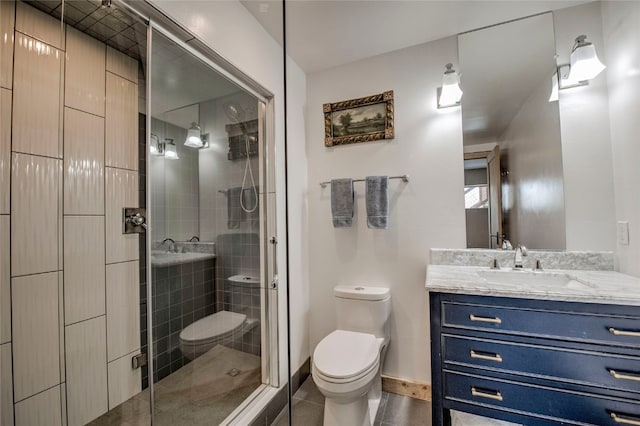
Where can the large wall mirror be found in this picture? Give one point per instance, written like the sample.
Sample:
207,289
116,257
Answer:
538,171
511,135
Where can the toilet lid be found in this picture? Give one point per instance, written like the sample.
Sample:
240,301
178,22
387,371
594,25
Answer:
218,324
344,354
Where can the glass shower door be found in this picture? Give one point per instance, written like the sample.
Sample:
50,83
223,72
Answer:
206,238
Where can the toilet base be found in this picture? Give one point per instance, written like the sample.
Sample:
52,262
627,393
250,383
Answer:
360,411
355,412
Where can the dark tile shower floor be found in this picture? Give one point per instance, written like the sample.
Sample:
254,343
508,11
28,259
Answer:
395,410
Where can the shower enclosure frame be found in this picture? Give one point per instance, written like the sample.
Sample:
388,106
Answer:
270,358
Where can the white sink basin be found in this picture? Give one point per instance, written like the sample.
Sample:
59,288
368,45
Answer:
533,279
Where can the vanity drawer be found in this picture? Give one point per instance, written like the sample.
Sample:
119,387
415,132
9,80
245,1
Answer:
594,327
578,366
536,401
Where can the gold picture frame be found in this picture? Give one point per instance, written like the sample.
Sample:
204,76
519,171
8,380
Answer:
374,120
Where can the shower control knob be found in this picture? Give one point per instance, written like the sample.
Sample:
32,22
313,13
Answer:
133,221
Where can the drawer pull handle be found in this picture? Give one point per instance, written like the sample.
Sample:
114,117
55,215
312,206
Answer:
486,356
494,320
625,420
624,332
485,393
624,376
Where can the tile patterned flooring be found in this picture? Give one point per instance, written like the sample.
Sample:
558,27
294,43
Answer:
395,410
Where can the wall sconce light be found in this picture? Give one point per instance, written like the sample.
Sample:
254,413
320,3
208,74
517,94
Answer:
584,61
156,147
193,136
195,139
170,152
449,94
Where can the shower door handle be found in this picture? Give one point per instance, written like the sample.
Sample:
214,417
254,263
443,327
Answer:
274,281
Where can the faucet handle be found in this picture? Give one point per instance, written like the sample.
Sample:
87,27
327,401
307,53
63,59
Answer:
494,264
523,249
538,266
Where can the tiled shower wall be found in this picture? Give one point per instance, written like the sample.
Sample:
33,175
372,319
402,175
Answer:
69,278
182,294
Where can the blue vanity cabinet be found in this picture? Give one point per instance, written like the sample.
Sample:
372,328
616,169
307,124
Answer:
535,362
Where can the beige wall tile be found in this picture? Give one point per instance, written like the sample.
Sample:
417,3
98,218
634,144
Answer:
84,73
123,65
6,385
5,149
34,304
5,281
36,97
86,350
34,219
43,409
121,191
83,163
121,135
124,382
39,25
61,324
123,309
84,268
7,25
63,403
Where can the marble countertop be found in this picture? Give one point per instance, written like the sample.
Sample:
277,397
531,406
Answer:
582,286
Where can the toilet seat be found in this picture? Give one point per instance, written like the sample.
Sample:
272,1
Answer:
346,356
212,327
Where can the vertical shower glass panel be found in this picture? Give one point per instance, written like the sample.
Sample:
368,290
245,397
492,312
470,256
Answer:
206,223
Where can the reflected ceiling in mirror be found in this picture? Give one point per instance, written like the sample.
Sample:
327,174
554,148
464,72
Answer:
502,66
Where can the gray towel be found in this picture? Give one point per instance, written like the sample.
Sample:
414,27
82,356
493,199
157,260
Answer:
377,198
342,202
234,211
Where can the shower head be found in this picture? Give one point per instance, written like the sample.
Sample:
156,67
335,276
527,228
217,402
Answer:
236,114
234,111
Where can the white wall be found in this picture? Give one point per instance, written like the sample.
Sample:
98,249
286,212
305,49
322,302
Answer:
534,153
621,35
586,142
228,28
426,212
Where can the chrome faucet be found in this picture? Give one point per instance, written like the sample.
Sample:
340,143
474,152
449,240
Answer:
170,247
521,251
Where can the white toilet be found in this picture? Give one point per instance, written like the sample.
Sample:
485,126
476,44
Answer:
347,363
223,327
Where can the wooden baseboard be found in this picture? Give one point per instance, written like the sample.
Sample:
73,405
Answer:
412,388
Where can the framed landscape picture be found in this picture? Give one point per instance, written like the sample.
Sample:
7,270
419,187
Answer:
359,120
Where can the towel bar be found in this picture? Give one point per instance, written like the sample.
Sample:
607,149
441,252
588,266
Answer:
405,178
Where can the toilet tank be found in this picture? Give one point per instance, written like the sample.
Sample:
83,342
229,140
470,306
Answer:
363,309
